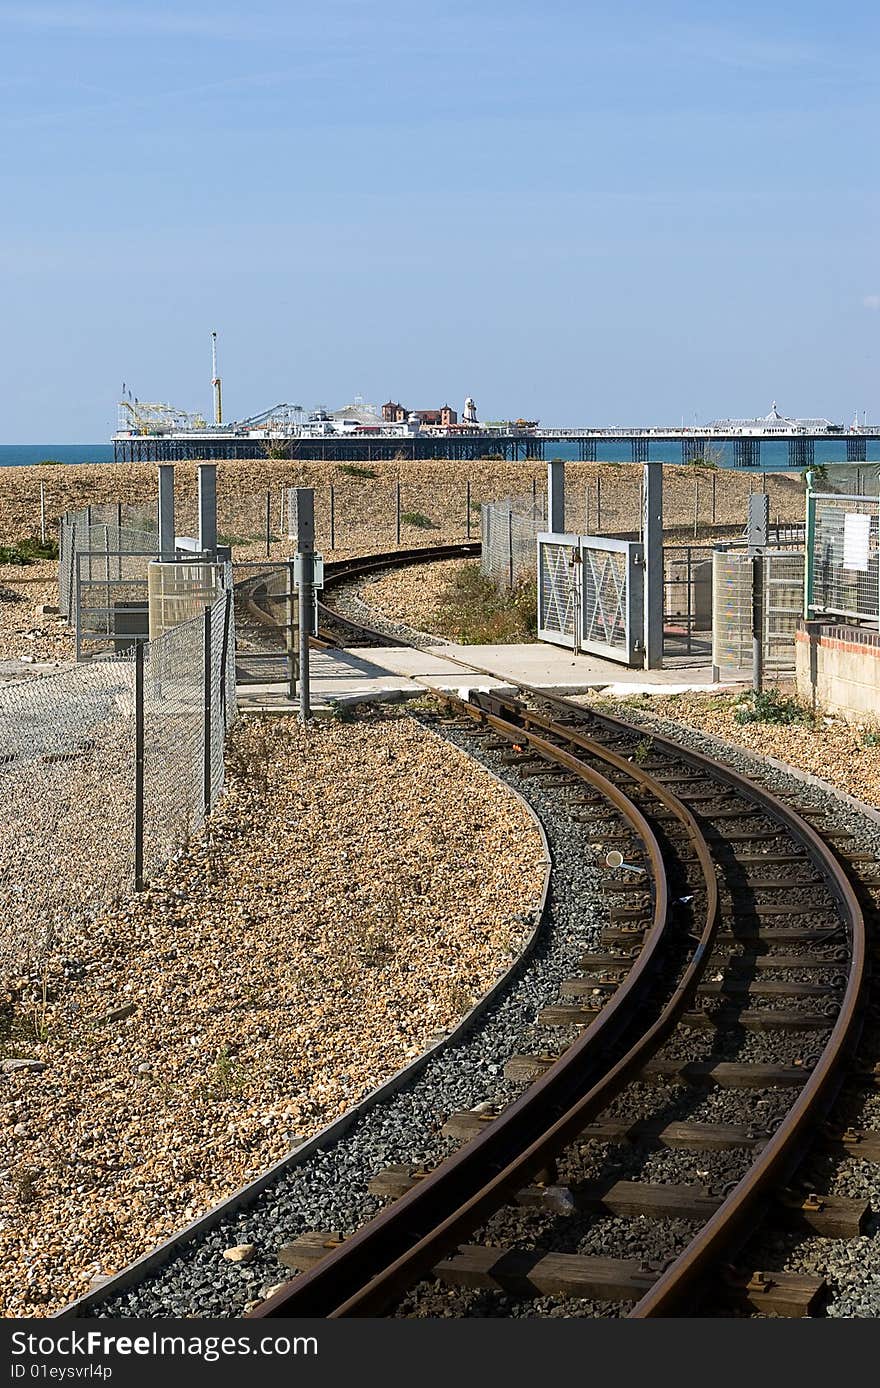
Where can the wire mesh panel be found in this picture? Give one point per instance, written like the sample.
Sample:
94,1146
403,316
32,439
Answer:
731,611
509,532
591,595
66,805
111,608
843,552
558,589
68,781
612,598
174,749
266,618
114,528
783,607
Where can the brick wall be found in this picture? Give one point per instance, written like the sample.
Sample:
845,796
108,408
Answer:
838,669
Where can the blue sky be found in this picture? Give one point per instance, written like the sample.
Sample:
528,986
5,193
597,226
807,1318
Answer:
586,213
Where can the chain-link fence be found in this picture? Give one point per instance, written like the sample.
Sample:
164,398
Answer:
368,512
508,531
115,529
266,620
105,770
843,556
695,503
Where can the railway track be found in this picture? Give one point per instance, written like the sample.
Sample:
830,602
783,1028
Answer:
261,599
704,1034
765,902
771,942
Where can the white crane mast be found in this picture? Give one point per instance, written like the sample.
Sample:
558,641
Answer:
215,382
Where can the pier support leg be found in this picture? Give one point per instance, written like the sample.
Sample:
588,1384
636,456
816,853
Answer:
856,450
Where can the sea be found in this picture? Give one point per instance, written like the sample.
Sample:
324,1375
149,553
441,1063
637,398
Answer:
774,453
21,454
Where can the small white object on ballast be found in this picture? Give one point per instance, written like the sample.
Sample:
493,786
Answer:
241,1253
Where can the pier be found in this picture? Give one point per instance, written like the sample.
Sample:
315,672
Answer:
509,445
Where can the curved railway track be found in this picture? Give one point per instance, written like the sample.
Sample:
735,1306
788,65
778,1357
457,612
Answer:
708,946
729,983
262,596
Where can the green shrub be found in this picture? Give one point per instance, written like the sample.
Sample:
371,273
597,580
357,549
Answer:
769,707
355,470
476,611
28,551
418,520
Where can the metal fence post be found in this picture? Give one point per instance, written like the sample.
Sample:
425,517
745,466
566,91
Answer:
467,507
510,546
291,644
653,583
139,766
268,523
397,494
306,557
207,710
689,599
224,656
757,622
332,516
42,512
598,505
809,545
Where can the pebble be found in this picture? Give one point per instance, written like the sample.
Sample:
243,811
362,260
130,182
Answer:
378,914
328,1190
240,1253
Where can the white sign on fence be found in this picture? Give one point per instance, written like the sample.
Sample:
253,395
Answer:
856,536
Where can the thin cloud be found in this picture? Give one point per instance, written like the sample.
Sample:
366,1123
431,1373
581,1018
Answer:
872,301
125,22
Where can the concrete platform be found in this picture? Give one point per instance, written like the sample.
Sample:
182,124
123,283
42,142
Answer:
551,668
393,673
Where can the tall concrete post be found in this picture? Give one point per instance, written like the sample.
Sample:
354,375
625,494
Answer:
166,511
653,533
207,507
556,496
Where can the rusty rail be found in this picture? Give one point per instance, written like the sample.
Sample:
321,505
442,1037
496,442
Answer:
315,1292
365,1274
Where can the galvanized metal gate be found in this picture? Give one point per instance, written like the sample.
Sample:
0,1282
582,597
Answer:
591,595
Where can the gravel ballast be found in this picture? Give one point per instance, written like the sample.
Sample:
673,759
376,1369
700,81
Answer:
357,888
328,1190
836,754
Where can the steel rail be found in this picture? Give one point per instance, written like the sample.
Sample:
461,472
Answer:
339,570
783,1151
373,1267
731,1223
733,1219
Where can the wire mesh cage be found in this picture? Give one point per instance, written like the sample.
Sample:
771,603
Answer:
782,583
843,551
